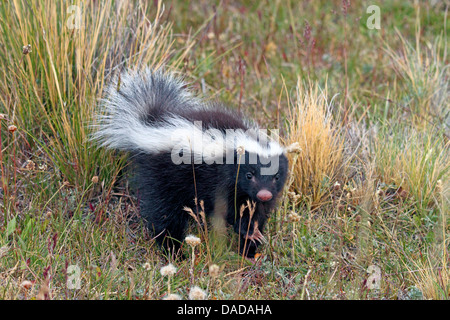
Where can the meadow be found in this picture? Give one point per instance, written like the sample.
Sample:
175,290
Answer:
362,93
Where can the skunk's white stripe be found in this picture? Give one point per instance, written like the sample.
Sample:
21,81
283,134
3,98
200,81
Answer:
122,126
181,134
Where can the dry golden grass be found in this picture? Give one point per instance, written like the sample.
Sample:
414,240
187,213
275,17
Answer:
70,52
432,273
413,161
432,276
315,168
424,73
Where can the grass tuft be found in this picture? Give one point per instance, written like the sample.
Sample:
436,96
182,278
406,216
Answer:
318,164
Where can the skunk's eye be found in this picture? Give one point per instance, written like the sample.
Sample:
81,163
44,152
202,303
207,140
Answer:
249,175
277,176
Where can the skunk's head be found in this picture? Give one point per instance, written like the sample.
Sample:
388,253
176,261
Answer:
264,179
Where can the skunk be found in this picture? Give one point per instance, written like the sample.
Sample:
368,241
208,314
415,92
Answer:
186,151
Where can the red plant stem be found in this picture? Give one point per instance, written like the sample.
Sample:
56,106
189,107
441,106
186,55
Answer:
4,185
14,172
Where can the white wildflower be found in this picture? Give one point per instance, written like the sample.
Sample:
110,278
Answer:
192,240
172,296
168,270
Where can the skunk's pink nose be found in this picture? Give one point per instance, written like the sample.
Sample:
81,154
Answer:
264,195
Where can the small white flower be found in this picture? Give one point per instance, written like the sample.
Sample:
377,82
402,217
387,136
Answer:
294,148
168,270
439,186
196,293
26,49
192,240
214,270
26,284
12,128
147,266
293,216
172,296
3,250
337,185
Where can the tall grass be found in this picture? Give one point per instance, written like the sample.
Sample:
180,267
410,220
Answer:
413,161
50,91
423,72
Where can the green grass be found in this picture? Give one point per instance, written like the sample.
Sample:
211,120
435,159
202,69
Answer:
379,202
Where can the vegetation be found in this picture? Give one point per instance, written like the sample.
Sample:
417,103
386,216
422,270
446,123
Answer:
365,212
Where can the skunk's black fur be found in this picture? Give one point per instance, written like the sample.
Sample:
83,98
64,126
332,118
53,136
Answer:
142,113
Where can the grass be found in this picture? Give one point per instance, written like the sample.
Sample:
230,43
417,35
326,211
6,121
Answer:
365,214
317,166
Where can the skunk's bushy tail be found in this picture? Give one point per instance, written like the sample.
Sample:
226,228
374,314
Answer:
153,112
139,111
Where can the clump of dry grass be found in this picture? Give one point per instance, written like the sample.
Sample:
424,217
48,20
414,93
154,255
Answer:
315,168
429,271
414,161
432,276
424,74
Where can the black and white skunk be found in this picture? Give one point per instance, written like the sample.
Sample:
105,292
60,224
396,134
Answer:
185,151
